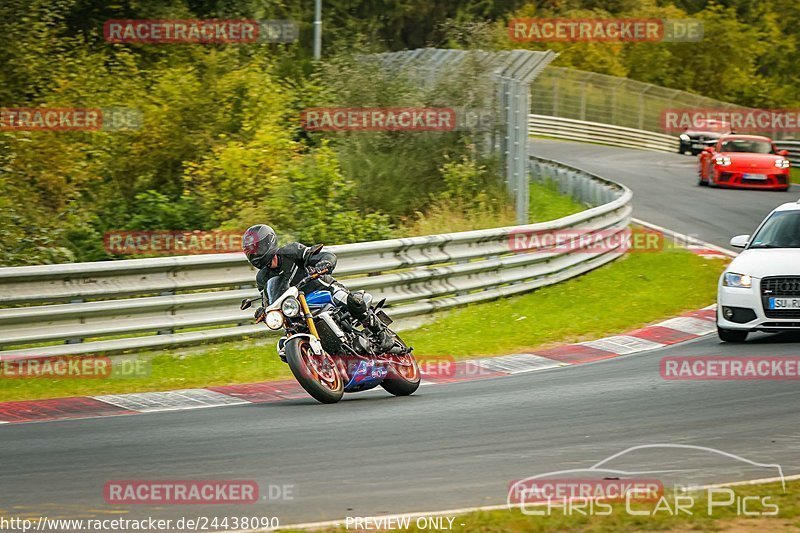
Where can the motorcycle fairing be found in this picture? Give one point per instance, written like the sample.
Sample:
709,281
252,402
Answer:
367,376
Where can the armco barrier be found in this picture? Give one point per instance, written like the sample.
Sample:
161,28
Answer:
793,147
579,130
595,132
116,306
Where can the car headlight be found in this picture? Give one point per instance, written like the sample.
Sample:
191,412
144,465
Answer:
684,137
782,163
274,319
732,279
722,160
290,307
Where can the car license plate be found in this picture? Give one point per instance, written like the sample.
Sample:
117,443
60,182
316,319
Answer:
755,176
784,303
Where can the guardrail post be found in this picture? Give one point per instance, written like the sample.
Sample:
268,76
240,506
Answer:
168,331
583,102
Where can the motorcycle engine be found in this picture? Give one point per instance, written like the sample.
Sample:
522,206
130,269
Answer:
330,335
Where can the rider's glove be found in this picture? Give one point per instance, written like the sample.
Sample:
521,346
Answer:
259,313
323,267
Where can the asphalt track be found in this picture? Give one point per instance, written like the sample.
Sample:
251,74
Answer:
665,189
450,445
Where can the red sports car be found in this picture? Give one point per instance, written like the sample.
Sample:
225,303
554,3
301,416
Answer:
744,161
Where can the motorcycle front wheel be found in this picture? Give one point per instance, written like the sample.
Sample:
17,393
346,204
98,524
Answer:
317,374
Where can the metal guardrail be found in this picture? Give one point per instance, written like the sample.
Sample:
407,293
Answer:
579,130
793,147
113,307
595,132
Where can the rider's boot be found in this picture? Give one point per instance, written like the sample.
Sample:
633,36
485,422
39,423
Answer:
383,338
358,308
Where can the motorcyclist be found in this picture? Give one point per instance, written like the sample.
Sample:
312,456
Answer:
285,266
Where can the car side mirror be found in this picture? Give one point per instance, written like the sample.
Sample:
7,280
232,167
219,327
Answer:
740,241
783,153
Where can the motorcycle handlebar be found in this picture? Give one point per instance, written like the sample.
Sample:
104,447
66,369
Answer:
309,278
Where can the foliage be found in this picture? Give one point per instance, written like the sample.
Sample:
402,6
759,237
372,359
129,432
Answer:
221,147
748,54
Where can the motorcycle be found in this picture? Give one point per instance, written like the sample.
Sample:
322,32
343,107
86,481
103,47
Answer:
328,350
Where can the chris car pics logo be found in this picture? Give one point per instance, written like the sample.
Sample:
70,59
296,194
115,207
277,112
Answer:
643,490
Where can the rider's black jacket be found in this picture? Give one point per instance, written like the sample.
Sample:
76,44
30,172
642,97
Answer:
293,260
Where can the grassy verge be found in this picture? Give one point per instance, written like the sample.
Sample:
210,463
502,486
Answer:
721,518
646,286
631,292
546,203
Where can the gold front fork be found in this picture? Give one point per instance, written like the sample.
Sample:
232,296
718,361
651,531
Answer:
307,312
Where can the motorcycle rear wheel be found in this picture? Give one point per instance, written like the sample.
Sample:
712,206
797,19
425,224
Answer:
317,374
404,377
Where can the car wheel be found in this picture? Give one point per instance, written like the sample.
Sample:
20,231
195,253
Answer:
701,182
731,335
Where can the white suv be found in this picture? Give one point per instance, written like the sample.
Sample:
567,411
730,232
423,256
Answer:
760,289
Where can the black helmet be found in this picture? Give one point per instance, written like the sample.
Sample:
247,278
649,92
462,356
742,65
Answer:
259,244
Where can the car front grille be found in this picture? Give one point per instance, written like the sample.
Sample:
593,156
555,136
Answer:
780,287
772,179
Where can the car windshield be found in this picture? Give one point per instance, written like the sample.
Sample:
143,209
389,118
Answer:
781,230
747,145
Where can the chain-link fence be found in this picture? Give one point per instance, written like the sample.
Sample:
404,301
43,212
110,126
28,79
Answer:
593,97
507,75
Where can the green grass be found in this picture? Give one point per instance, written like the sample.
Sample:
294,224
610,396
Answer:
638,289
547,203
645,287
618,520
794,175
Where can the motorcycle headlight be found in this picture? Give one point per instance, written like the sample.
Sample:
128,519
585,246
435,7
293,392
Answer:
722,160
274,319
732,279
684,137
290,307
782,163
